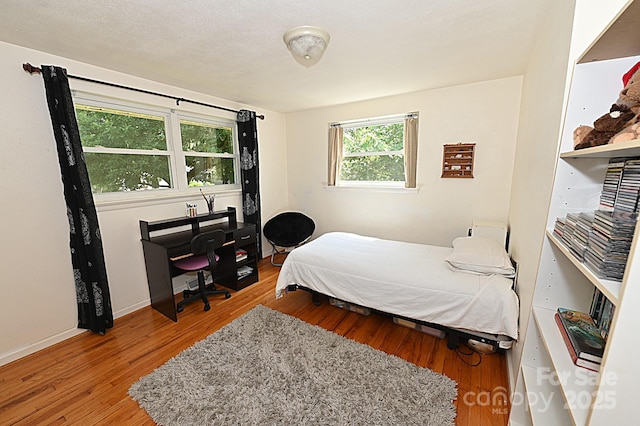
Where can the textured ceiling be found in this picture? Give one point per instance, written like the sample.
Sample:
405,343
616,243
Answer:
234,49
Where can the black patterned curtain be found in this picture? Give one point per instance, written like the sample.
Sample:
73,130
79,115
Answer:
248,141
87,257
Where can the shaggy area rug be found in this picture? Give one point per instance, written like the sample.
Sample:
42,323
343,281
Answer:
268,368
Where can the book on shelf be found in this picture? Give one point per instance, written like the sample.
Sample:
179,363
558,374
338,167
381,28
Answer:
602,312
558,229
611,183
241,254
580,362
583,334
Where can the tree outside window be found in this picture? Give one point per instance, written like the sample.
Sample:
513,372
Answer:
128,149
373,153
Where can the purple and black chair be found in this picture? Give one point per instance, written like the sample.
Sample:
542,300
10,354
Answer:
286,231
204,258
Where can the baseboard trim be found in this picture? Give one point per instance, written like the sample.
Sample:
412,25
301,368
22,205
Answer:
67,334
37,346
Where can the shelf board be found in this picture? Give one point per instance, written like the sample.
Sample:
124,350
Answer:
554,414
621,149
575,381
611,289
619,40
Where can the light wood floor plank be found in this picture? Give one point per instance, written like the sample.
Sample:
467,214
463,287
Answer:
84,380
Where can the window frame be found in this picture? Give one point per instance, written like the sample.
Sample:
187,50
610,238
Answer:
180,189
368,122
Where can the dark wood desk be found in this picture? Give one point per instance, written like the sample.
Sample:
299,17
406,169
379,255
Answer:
161,248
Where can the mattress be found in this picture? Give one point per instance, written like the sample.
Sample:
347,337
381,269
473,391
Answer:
403,279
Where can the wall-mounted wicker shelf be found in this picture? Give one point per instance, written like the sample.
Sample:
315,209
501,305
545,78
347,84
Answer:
457,160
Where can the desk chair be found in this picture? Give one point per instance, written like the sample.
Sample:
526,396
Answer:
204,258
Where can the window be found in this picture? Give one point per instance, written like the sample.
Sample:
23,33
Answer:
209,156
124,151
131,148
373,152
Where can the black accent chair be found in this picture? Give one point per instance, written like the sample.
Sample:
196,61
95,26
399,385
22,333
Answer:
286,231
204,258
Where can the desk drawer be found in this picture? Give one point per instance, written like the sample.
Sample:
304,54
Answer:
244,236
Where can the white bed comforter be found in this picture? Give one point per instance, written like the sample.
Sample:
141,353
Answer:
405,279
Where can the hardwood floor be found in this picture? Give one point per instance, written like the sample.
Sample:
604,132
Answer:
84,380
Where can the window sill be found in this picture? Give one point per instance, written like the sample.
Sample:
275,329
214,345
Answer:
107,202
373,188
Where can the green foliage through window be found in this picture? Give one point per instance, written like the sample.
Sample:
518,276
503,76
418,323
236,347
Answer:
204,138
373,153
128,150
127,172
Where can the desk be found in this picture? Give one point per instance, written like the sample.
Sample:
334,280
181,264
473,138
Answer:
160,249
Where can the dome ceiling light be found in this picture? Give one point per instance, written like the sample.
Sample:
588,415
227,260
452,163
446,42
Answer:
306,44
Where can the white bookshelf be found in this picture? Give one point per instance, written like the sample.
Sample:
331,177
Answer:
584,397
621,149
611,289
575,382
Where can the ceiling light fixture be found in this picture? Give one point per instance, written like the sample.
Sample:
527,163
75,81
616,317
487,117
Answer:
306,44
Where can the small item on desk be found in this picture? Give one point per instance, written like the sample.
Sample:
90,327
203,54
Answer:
210,199
192,210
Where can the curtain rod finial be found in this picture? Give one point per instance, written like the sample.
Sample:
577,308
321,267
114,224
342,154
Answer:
30,68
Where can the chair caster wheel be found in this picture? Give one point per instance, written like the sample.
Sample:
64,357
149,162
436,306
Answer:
226,296
207,307
180,308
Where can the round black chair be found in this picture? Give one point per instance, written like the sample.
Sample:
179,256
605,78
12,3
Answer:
286,231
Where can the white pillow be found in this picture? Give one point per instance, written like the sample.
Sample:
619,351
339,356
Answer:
480,255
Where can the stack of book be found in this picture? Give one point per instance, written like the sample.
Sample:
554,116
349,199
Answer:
629,188
558,228
569,228
582,338
609,245
581,233
611,184
603,240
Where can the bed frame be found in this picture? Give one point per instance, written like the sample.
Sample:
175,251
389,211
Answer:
454,336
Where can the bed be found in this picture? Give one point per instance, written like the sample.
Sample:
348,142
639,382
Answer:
465,290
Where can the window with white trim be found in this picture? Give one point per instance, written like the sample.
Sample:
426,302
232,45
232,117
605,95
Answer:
129,147
372,152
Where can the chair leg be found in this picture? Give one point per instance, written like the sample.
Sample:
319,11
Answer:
202,289
212,289
201,294
275,251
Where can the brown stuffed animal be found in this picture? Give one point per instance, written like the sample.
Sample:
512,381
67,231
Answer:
629,133
630,97
578,136
604,128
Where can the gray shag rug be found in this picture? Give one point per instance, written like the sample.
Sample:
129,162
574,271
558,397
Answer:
268,368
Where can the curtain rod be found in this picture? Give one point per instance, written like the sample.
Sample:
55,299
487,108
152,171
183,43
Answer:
31,69
357,121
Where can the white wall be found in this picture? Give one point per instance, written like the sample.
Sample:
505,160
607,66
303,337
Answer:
37,307
442,209
544,98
